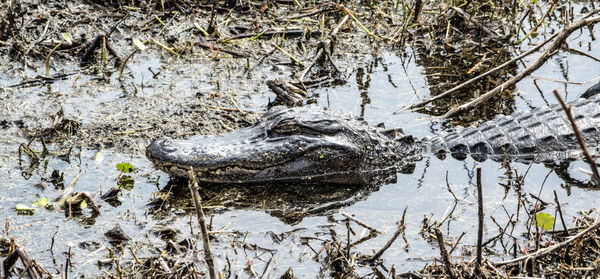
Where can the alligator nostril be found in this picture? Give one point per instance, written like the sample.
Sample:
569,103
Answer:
166,144
165,141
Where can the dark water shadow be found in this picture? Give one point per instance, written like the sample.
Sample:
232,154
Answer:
446,66
289,202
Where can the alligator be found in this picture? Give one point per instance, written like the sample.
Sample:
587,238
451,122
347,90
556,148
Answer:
315,144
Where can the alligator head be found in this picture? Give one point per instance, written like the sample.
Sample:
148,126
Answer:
297,144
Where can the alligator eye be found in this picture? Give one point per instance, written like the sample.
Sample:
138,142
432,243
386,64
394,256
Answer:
288,126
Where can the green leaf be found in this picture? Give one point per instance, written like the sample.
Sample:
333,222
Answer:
83,204
43,202
126,182
125,167
23,208
544,221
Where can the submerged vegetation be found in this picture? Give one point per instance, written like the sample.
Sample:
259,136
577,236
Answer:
470,53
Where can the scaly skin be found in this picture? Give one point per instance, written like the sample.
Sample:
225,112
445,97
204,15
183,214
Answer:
320,145
542,134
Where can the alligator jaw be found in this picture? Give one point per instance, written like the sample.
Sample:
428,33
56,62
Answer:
330,163
274,173
223,175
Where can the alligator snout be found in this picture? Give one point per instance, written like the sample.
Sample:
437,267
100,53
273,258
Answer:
159,148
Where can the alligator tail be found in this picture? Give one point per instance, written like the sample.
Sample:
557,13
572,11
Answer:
542,134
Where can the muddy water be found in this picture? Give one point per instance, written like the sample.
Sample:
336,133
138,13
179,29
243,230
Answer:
377,87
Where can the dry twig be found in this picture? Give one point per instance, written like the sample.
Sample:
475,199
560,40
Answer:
444,253
324,47
480,219
361,223
400,230
208,256
568,110
476,22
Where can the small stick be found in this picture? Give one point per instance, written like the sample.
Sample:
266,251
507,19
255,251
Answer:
444,253
548,250
52,243
234,102
537,198
325,8
477,23
358,22
538,233
363,239
26,261
266,34
456,243
400,230
322,50
288,54
480,219
68,263
519,190
125,62
579,52
557,80
134,255
208,256
225,126
268,267
170,50
361,223
48,57
562,220
206,45
349,230
69,190
117,267
201,30
455,200
259,62
568,110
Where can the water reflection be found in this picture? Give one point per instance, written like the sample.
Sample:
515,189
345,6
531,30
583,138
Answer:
447,66
363,81
290,202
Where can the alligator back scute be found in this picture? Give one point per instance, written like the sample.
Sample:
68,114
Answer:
478,145
592,91
551,131
542,134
